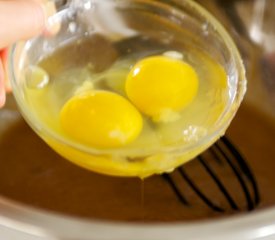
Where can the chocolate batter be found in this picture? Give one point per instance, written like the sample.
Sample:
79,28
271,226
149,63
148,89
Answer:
31,173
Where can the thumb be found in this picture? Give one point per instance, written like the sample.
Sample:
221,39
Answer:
22,19
2,85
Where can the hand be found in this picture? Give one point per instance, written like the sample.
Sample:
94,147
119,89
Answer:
20,20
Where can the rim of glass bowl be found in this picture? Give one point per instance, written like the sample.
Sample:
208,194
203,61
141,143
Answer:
215,132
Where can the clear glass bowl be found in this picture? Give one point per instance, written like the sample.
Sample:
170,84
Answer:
174,23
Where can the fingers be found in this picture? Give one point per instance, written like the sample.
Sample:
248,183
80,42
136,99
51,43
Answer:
23,19
3,58
3,83
2,86
20,20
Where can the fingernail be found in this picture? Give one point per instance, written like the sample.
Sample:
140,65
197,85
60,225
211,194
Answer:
8,86
2,96
2,101
2,87
4,57
52,24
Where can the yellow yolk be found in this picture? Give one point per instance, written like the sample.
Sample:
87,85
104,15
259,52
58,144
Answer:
159,85
101,119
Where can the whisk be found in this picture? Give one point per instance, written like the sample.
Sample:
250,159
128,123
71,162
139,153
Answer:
222,180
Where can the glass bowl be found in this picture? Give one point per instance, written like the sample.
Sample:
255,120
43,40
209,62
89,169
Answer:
135,24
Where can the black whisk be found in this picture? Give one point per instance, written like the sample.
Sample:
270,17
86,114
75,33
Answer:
222,180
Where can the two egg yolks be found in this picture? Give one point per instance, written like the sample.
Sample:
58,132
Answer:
104,119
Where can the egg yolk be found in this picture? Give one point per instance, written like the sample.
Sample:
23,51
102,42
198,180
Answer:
101,119
159,85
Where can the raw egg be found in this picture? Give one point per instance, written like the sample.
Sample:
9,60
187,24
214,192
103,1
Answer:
160,85
101,119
